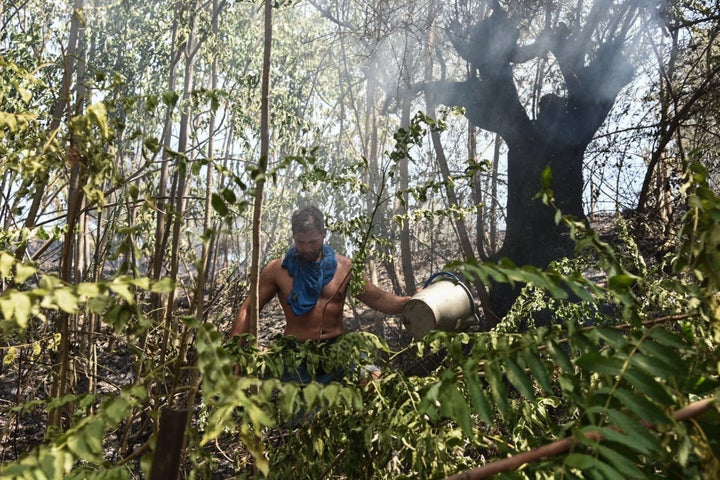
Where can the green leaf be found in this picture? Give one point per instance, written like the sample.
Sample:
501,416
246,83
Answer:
117,408
622,281
330,393
642,437
617,339
667,338
170,98
228,195
546,177
580,290
561,357
429,401
660,360
288,398
608,473
311,393
595,362
497,388
621,463
642,407
86,443
219,204
66,300
537,367
454,406
581,461
479,401
612,435
23,306
519,379
648,385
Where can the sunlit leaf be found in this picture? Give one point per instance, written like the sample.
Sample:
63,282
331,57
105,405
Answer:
87,289
23,272
6,263
164,285
23,306
7,306
66,300
122,289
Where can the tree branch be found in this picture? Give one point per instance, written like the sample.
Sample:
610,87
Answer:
561,446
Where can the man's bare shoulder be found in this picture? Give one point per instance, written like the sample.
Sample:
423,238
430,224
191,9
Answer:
273,269
344,263
343,258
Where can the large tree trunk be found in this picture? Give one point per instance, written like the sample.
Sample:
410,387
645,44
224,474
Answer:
532,236
593,73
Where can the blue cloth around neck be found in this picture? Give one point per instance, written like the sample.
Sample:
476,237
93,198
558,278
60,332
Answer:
308,278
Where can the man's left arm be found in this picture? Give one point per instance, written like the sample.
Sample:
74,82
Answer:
378,299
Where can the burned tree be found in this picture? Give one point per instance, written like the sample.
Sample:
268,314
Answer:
592,68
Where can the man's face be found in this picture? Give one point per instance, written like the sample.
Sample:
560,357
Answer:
309,244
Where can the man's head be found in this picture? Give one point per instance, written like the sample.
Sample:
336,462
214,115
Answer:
308,228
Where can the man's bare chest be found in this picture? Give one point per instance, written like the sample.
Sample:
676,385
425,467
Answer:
335,290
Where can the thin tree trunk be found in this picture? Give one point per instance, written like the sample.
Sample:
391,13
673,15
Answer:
156,268
494,206
62,368
209,185
180,197
262,167
464,238
406,259
61,104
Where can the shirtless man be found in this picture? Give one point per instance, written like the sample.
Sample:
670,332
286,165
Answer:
311,282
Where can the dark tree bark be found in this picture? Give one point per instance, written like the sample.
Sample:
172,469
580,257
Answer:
594,71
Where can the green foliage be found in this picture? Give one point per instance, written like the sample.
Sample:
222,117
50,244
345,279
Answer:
111,299
79,451
606,362
608,366
614,362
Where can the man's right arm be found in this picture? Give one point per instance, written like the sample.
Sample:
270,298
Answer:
267,288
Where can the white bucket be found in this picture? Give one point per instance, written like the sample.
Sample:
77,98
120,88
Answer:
445,303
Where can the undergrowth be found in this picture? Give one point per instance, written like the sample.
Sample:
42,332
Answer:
607,364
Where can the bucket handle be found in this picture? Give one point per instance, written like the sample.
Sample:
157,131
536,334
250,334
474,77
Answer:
458,282
435,275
